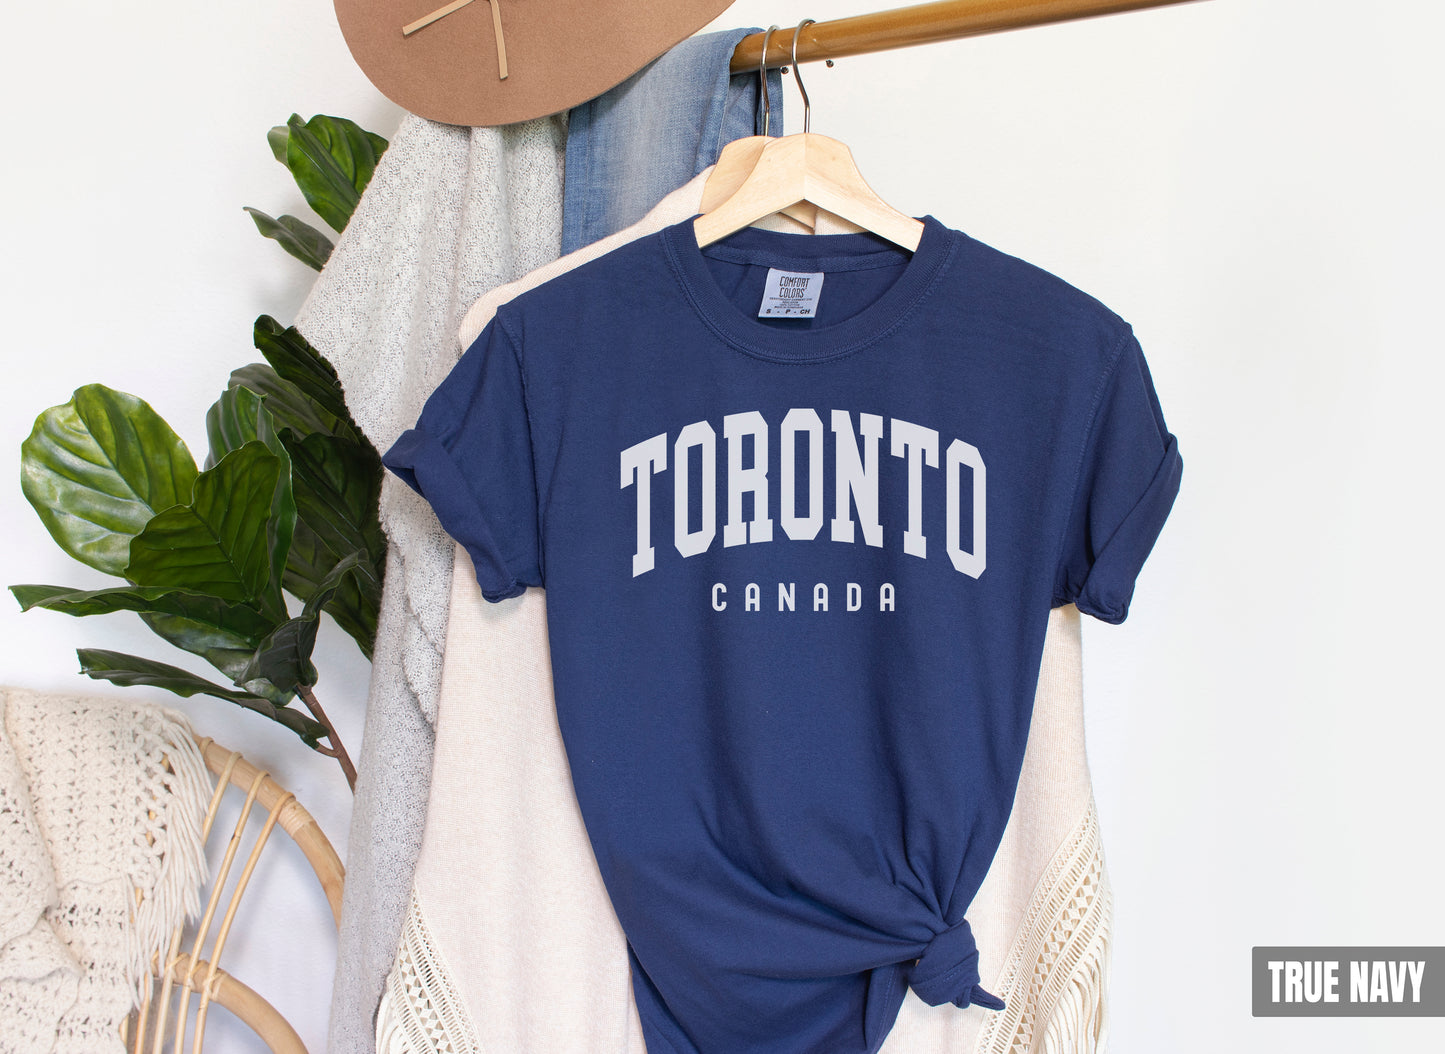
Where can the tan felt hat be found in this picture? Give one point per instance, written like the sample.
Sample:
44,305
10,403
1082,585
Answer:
448,61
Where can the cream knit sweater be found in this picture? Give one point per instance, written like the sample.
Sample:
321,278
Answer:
450,213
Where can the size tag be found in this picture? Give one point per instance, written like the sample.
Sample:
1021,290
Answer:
791,294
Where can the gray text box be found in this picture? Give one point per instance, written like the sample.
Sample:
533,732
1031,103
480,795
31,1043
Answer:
1348,982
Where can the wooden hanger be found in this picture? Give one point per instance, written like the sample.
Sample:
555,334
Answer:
740,157
806,168
733,166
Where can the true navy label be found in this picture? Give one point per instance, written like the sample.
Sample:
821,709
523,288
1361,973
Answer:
1348,982
791,294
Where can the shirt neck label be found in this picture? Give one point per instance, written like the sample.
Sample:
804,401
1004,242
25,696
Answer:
791,294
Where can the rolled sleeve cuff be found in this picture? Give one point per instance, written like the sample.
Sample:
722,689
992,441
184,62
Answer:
428,468
1109,587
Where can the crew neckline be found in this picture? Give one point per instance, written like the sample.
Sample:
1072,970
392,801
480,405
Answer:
807,252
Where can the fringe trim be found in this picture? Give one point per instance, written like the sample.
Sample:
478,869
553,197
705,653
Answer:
391,1036
421,1011
1080,1022
1056,980
176,799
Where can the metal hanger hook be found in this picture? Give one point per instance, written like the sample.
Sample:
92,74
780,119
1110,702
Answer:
798,72
763,80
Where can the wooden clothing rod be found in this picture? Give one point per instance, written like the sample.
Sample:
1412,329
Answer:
921,24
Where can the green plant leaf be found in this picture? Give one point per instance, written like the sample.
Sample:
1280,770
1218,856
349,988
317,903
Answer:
337,485
284,657
355,607
297,237
239,620
285,402
308,560
336,481
131,670
276,139
225,635
98,468
223,542
332,160
241,416
296,361
308,563
225,650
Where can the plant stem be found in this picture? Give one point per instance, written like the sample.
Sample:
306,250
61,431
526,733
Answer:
337,750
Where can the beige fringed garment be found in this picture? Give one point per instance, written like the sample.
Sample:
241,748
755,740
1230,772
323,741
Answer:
101,857
511,945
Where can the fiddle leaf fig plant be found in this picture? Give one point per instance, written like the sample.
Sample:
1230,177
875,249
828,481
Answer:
285,502
332,160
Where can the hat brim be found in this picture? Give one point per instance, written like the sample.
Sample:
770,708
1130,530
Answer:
558,54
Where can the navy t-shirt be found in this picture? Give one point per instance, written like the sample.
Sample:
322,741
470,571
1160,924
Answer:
799,571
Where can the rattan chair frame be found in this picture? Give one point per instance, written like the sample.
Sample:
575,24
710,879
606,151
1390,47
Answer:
186,971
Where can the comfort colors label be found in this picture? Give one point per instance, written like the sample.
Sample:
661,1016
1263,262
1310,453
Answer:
1349,982
791,294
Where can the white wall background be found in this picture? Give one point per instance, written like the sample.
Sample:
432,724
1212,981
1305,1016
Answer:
1257,187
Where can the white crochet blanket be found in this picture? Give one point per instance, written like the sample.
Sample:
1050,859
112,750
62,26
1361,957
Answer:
101,857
